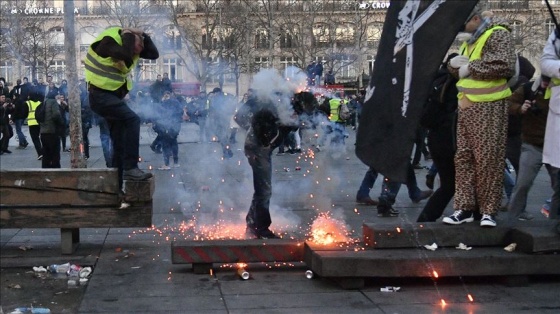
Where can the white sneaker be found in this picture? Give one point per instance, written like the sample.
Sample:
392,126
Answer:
164,168
177,165
487,221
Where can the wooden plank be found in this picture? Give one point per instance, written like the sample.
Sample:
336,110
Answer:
536,239
384,236
76,217
235,251
83,186
138,191
422,263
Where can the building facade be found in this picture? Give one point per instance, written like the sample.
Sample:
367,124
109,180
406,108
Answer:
224,42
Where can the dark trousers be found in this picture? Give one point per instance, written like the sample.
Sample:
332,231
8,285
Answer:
85,133
34,132
420,143
124,126
442,151
260,160
51,150
169,147
7,133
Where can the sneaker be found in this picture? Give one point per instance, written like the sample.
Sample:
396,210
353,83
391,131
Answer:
291,151
417,166
525,216
297,150
164,167
487,221
176,165
423,195
430,181
136,174
459,217
387,212
367,201
7,151
280,154
20,147
39,157
25,145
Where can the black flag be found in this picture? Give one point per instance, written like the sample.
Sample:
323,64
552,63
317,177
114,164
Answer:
416,36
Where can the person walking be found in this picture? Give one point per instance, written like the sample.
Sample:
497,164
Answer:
109,61
34,128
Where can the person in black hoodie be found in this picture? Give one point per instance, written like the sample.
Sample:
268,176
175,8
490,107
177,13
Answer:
21,111
439,117
259,116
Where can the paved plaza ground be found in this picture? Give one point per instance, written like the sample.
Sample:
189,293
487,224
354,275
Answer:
208,197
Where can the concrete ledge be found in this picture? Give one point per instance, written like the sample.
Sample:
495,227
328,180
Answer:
235,251
392,236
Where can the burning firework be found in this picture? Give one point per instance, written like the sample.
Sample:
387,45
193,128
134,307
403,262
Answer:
327,230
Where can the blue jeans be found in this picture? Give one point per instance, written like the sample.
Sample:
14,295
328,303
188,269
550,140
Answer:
509,183
259,158
390,189
367,184
21,137
106,144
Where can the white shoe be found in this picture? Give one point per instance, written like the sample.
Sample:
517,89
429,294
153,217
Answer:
487,221
176,165
164,168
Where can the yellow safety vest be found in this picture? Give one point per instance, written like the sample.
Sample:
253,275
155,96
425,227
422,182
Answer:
107,73
334,104
553,82
479,90
32,107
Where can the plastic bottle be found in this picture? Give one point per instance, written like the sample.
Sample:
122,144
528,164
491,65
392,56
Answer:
63,268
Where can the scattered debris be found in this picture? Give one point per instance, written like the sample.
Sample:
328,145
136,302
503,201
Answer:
124,205
25,247
390,289
432,247
463,247
14,286
511,247
40,269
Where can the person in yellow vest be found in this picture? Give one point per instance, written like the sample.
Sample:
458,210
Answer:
337,123
34,128
108,64
486,62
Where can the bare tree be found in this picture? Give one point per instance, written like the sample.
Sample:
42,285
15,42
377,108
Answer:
28,41
202,50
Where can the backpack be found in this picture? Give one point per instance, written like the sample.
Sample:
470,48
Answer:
40,113
435,109
343,111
